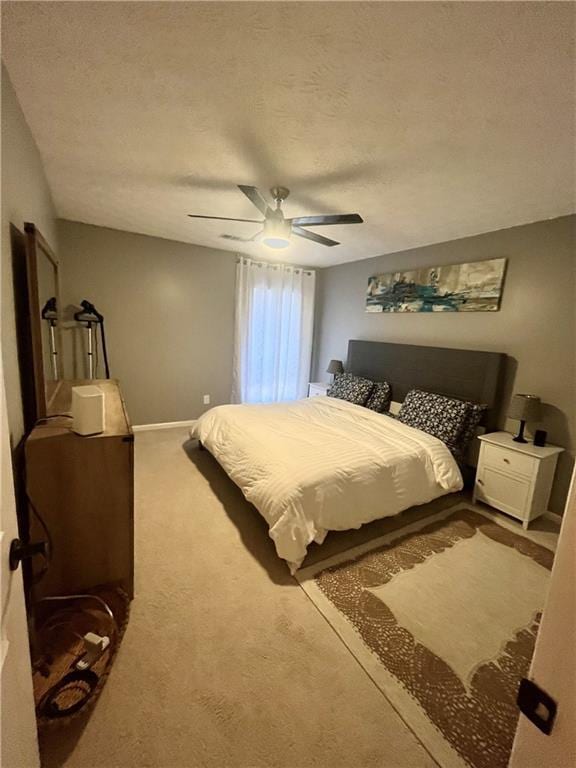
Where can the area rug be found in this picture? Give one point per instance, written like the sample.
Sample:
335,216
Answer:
443,616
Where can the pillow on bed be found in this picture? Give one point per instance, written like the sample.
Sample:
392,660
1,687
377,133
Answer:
438,415
475,414
355,389
379,398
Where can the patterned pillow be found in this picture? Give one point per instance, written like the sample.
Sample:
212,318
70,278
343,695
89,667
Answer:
379,399
355,389
439,416
475,414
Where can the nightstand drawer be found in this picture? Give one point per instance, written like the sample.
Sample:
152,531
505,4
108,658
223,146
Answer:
317,389
508,461
504,492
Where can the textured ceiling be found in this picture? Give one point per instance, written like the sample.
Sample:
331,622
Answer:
434,121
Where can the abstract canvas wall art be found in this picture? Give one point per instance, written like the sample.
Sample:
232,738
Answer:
472,287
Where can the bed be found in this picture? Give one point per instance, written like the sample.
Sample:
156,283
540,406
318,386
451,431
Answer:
322,463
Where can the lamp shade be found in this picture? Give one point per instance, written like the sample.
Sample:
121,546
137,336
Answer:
335,366
525,408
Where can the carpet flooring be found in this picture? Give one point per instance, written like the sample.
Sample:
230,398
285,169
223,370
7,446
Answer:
226,663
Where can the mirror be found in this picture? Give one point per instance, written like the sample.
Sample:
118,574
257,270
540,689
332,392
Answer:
43,305
47,291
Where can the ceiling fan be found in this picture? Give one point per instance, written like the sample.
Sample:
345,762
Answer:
277,230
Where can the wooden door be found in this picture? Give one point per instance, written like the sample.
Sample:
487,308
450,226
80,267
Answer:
554,664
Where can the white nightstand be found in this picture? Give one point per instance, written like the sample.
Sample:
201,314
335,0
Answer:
316,388
515,477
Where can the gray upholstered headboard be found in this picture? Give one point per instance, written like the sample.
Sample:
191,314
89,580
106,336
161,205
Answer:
462,373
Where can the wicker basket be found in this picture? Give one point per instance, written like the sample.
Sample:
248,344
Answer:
61,693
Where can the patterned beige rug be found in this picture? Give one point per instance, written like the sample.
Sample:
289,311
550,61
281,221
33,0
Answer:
443,616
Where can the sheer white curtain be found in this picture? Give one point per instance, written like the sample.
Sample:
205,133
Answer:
273,333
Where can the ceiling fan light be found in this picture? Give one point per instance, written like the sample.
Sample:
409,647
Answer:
276,233
276,242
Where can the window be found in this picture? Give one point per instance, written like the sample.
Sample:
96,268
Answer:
273,337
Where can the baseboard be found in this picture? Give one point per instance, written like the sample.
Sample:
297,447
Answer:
163,425
553,516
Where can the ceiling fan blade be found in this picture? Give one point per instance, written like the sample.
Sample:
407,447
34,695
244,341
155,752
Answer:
222,218
255,198
313,236
321,220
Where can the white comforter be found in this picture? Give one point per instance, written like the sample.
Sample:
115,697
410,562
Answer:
323,464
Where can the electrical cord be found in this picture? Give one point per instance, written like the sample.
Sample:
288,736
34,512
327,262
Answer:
40,519
96,355
80,597
46,425
87,315
36,578
45,420
50,626
104,349
64,618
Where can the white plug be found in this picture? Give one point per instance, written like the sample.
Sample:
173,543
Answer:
94,648
206,399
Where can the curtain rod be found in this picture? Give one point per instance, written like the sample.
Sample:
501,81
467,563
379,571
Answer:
273,265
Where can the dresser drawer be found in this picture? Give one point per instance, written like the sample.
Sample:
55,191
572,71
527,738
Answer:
508,461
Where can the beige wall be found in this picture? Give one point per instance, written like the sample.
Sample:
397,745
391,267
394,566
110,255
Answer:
25,197
535,325
169,317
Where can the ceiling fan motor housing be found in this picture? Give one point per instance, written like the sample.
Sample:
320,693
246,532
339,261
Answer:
279,194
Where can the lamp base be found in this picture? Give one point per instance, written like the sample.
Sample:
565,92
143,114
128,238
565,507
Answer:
520,436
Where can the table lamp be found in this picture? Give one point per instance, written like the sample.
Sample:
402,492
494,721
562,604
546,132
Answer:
524,408
334,367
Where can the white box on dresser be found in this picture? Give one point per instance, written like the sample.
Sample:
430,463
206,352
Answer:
88,410
316,388
515,478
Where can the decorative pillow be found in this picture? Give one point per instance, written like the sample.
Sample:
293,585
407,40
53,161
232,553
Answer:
475,413
379,398
355,389
438,415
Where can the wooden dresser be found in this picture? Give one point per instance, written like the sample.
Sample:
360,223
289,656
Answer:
83,488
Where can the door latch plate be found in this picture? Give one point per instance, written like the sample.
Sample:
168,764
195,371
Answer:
537,705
